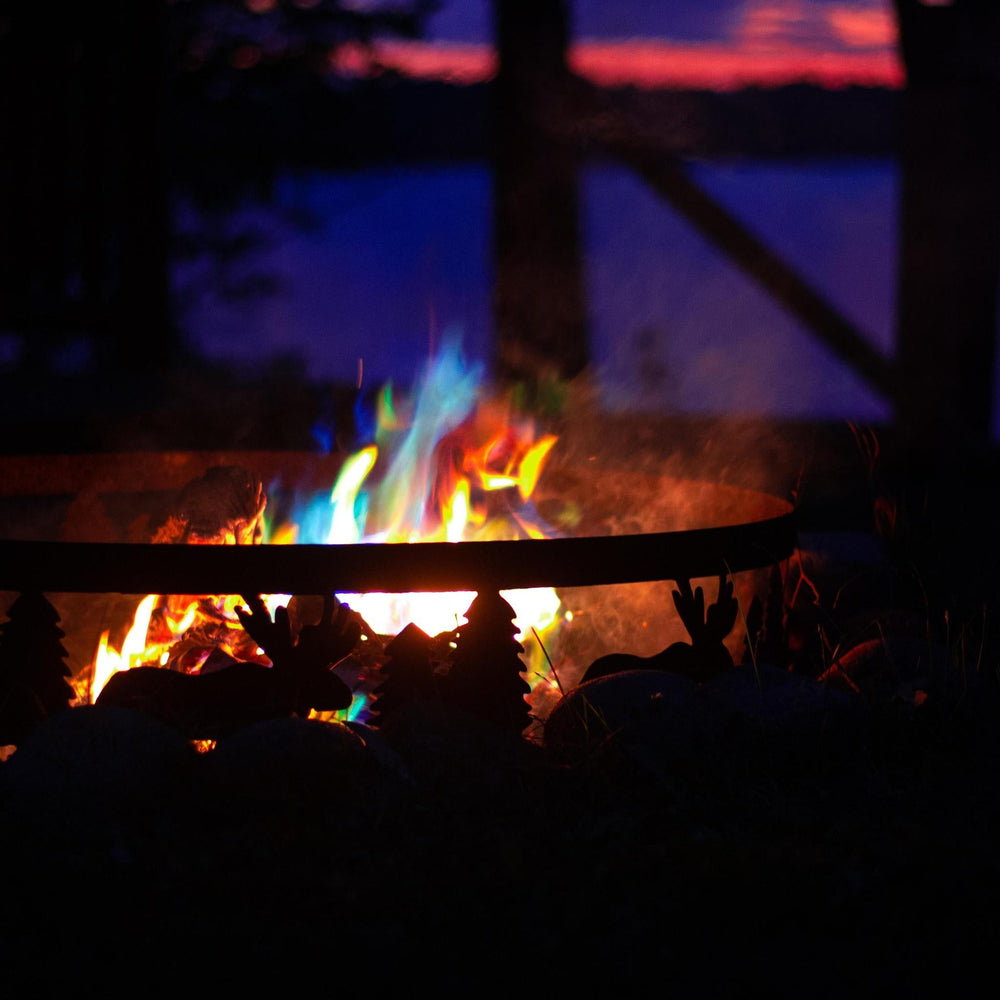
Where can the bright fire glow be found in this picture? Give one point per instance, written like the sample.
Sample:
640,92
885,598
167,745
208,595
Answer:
445,465
107,661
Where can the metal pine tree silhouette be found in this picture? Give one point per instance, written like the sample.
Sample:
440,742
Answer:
485,678
33,671
408,674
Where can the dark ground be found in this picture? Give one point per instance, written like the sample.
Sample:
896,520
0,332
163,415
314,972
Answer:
778,837
856,854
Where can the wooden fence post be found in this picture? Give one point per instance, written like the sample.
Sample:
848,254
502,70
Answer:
539,305
949,260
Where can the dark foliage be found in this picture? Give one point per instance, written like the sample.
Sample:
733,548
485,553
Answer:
765,624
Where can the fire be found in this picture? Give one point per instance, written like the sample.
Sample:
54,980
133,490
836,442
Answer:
449,465
444,464
133,651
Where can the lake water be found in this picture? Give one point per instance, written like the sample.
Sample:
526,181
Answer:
373,267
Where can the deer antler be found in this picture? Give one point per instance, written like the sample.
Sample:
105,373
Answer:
691,608
332,638
319,646
714,624
721,616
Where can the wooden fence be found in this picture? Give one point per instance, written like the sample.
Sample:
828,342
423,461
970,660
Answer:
84,241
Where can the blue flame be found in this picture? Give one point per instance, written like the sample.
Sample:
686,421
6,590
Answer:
444,395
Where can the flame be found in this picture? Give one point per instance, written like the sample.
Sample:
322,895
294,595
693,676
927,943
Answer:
133,649
344,526
166,631
445,465
456,513
461,469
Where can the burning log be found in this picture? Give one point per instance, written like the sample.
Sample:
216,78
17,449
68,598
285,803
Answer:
215,703
225,506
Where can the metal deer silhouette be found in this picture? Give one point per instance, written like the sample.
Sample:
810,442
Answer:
701,659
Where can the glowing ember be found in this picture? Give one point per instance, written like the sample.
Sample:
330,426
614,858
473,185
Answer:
444,465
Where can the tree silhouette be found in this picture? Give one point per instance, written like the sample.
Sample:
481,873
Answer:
122,106
485,676
408,674
33,668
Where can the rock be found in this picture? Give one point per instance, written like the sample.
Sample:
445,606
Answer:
774,699
665,725
890,666
91,781
305,765
604,706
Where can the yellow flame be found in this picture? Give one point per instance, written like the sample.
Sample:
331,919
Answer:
456,513
520,470
186,619
108,661
344,528
285,534
491,482
532,463
135,642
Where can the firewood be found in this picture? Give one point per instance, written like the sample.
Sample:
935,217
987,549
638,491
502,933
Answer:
225,506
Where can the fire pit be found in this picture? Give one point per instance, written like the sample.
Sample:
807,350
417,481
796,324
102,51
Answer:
74,541
117,567
490,507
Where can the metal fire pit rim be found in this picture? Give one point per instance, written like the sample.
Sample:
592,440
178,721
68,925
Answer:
129,568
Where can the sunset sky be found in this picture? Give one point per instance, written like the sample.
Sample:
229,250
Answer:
721,44
400,255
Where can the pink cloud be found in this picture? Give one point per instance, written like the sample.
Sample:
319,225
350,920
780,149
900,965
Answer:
650,63
774,42
459,63
772,25
869,24
863,27
722,67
